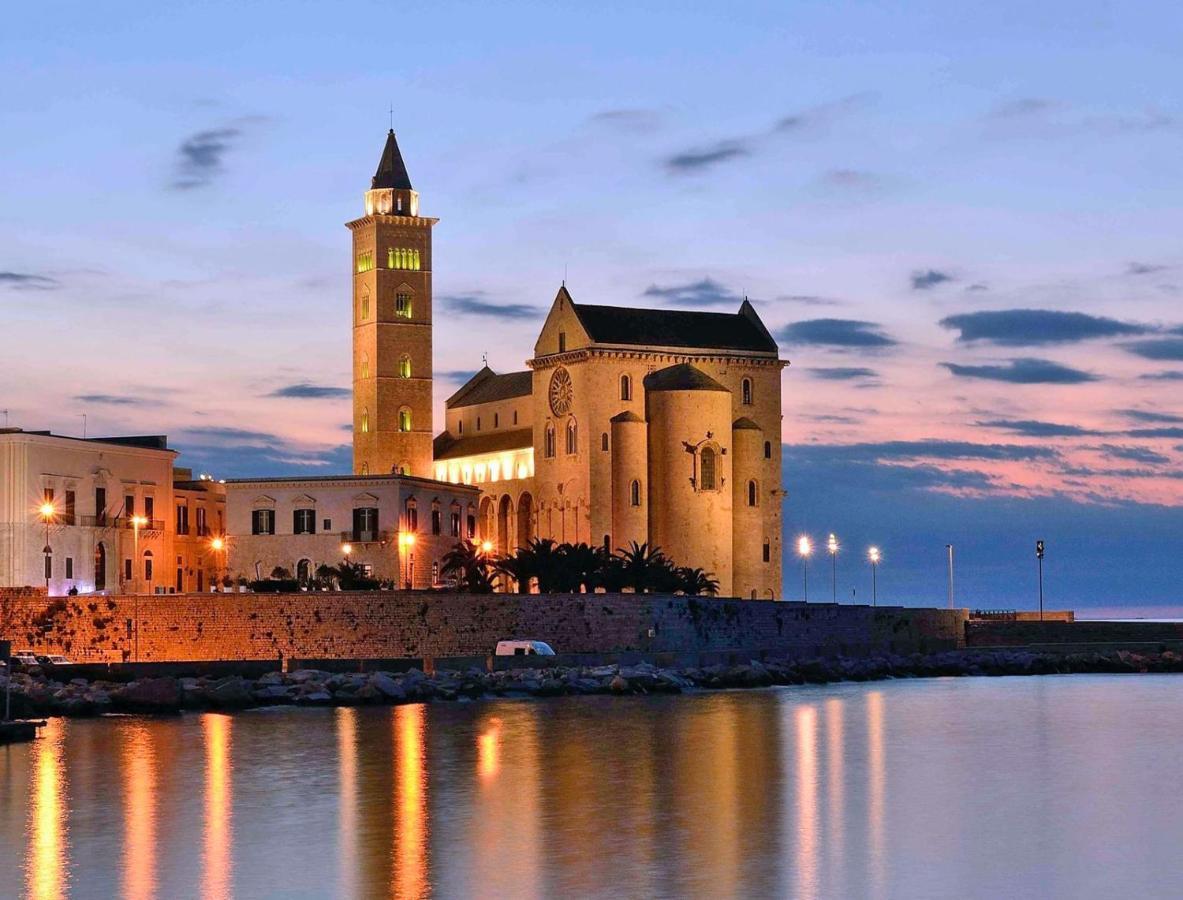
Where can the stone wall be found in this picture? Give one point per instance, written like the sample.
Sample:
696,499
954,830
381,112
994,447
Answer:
185,627
1022,633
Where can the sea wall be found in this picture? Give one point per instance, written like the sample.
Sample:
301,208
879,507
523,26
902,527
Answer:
386,625
1025,633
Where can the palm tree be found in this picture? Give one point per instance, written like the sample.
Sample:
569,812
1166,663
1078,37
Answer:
281,574
581,566
541,557
469,567
645,568
516,568
696,581
326,575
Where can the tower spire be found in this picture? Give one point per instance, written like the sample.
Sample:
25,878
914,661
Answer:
392,171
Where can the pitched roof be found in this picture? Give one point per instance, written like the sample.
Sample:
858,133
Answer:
486,386
392,172
741,330
743,423
448,446
682,377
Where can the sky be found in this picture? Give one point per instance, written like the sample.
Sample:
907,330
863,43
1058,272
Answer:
961,222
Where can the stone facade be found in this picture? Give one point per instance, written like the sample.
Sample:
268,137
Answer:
398,527
95,487
381,625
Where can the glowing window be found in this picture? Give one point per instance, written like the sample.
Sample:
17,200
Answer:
365,365
404,419
365,305
365,421
706,469
404,366
402,305
365,261
626,388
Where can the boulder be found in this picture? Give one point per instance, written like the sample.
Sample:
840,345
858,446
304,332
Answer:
387,687
149,695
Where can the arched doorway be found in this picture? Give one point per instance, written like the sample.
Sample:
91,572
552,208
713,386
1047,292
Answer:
304,571
487,521
525,519
100,567
505,525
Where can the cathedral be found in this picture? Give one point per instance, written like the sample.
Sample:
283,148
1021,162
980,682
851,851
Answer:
657,426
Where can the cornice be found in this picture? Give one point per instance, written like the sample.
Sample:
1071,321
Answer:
410,221
667,355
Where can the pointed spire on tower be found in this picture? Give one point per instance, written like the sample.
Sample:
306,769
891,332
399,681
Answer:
392,172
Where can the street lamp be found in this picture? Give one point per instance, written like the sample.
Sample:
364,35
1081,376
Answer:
874,556
47,511
137,522
949,548
218,545
347,549
832,549
486,547
804,548
407,539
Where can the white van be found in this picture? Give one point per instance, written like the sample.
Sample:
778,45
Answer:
523,648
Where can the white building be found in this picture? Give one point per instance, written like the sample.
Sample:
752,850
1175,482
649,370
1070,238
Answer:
398,527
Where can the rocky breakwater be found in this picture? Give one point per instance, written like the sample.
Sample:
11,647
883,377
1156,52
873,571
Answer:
43,695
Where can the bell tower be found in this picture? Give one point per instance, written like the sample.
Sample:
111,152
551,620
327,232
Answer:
391,270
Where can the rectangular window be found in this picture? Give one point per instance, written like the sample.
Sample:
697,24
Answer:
263,521
365,524
48,493
478,423
412,517
562,342
435,521
183,518
100,506
304,521
70,508
471,526
127,570
69,567
148,569
202,527
496,420
48,566
328,525
180,579
454,524
149,509
767,552
402,305
129,505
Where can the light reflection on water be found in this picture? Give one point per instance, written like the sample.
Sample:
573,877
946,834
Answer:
1038,787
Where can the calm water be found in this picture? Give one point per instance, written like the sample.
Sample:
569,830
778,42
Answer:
1015,787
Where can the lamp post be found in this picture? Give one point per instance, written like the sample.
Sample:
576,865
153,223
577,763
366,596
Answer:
804,548
949,547
218,545
832,549
1039,557
874,556
407,541
47,511
137,522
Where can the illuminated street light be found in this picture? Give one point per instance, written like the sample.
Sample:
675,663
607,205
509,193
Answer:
47,511
874,556
347,549
486,546
804,548
137,522
218,544
832,549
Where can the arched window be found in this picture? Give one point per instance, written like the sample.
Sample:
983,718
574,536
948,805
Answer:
706,469
767,551
572,436
548,449
412,518
415,261
390,258
753,493
604,442
626,388
365,468
402,305
746,391
365,365
404,366
365,305
404,418
768,449
634,493
365,421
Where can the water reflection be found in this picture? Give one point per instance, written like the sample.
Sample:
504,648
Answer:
807,808
139,813
876,789
835,788
217,861
346,720
46,862
410,837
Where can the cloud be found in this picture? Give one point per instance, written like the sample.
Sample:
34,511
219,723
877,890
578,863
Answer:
1167,375
1039,117
1164,350
807,300
842,373
201,156
836,333
306,391
1142,415
929,278
460,375
230,452
851,180
115,400
1030,327
698,159
706,292
806,121
628,120
1036,428
1134,454
1170,432
26,281
476,304
1137,268
1023,371
947,450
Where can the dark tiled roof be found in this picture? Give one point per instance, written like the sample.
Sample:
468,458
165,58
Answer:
627,416
676,328
392,172
409,479
682,377
448,446
745,424
486,386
